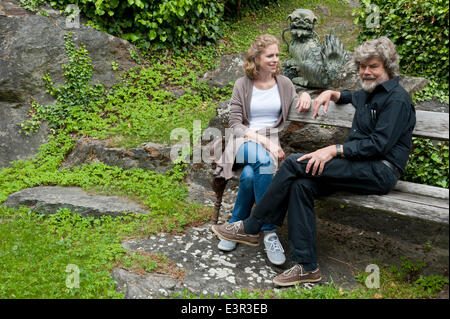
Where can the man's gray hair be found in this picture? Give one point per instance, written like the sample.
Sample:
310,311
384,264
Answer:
382,48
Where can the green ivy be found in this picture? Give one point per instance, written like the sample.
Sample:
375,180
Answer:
149,103
32,5
418,28
433,89
76,92
154,24
428,163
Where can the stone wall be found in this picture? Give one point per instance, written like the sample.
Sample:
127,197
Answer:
31,46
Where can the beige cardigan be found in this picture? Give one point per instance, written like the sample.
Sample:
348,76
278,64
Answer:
239,122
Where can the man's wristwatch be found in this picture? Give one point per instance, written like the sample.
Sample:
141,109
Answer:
339,152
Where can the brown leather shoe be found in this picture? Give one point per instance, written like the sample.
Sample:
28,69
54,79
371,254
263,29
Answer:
235,232
297,275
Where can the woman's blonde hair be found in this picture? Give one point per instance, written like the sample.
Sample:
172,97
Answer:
258,46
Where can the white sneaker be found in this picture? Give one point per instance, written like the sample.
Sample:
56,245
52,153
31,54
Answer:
274,249
226,245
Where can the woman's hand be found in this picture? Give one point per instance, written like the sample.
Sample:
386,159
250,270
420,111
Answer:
276,150
270,146
304,102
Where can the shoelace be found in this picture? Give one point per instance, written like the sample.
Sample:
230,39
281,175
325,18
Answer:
288,272
274,245
233,226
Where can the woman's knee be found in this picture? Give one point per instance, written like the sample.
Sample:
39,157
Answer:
263,157
257,154
247,176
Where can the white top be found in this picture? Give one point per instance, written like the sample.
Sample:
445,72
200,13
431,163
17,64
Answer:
265,108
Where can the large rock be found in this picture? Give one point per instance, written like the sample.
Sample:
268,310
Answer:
145,286
31,46
206,269
48,199
229,70
220,121
148,156
305,138
151,156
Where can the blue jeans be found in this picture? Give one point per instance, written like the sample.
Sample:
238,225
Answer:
256,176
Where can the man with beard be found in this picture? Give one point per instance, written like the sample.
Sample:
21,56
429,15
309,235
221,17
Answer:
369,162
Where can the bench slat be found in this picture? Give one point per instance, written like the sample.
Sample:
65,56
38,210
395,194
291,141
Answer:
420,189
418,199
428,124
396,203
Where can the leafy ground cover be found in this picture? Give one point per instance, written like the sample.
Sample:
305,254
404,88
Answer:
162,94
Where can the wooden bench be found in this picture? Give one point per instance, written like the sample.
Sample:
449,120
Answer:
408,199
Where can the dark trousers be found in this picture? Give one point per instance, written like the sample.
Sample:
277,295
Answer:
294,191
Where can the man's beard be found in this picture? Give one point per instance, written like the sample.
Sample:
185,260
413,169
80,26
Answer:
369,86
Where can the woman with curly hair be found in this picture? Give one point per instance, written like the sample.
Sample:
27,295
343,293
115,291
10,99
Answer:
259,108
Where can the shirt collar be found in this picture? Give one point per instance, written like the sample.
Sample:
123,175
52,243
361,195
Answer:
390,84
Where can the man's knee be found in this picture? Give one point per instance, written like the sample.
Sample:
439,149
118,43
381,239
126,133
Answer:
290,161
304,186
293,157
303,183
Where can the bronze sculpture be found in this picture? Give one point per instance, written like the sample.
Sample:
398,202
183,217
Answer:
311,64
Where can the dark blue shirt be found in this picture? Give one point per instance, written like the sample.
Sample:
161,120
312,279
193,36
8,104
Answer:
383,124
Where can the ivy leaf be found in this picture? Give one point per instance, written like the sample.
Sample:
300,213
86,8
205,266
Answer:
436,158
139,3
131,36
152,35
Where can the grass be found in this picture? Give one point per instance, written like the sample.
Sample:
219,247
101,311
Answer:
36,251
150,102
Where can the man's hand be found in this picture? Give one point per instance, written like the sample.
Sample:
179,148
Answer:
318,159
304,102
324,99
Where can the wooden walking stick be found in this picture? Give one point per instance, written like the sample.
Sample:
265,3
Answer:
218,185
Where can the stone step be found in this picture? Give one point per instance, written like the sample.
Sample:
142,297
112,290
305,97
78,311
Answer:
48,199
